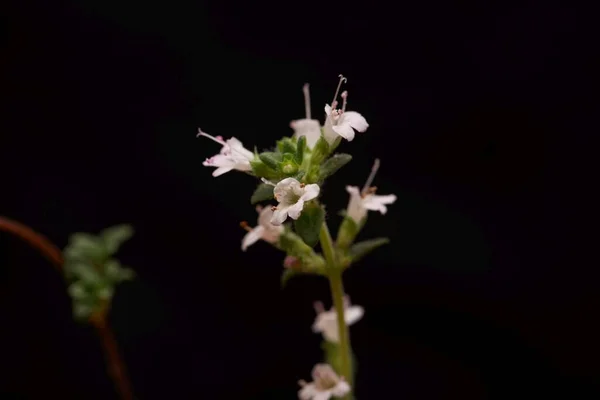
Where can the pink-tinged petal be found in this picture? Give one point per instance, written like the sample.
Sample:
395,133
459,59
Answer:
310,192
353,314
295,210
264,218
353,190
221,170
355,120
344,130
252,237
341,389
279,215
307,392
324,395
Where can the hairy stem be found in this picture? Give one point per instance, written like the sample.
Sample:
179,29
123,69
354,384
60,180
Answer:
337,293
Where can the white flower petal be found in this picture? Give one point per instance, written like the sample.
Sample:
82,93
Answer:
280,215
341,389
355,120
355,209
309,128
327,109
331,333
344,130
221,170
238,149
252,237
377,203
353,314
310,192
307,392
283,187
295,210
324,395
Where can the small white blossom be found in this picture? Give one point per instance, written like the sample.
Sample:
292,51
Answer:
326,384
310,128
326,321
265,230
360,203
233,155
291,196
363,201
340,122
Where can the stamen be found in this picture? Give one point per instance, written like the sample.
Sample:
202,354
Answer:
334,101
306,91
371,176
245,226
273,208
218,139
302,185
344,97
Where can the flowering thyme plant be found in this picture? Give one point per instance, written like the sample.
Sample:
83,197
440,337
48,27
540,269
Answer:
291,175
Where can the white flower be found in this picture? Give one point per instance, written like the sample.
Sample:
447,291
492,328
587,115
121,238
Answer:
233,155
339,122
326,384
363,201
264,230
291,196
360,203
326,321
310,128
343,123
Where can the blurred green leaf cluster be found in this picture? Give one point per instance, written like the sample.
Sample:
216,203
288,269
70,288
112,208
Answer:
91,271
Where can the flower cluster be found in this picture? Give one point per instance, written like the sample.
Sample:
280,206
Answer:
291,174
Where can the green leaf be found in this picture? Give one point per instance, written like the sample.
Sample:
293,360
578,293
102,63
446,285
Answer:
331,166
347,233
77,290
271,159
84,272
320,151
84,246
294,245
115,236
300,147
82,311
361,249
261,170
263,192
309,223
286,145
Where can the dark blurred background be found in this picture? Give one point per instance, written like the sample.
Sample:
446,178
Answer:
480,114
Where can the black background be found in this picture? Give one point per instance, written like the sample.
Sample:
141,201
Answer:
479,113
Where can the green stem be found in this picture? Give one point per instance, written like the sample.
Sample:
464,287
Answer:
337,293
